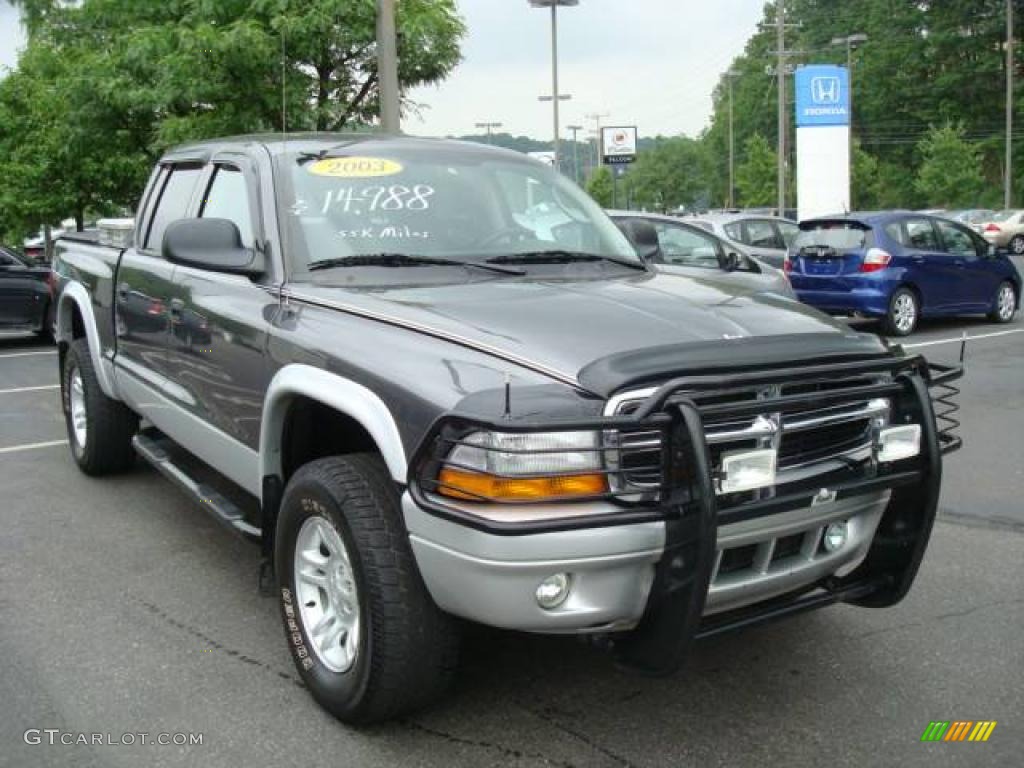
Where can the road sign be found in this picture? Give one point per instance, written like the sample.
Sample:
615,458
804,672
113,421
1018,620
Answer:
618,144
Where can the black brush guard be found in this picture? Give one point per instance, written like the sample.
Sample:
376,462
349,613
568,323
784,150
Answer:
920,392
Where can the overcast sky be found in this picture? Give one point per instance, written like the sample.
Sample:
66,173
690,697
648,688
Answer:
652,63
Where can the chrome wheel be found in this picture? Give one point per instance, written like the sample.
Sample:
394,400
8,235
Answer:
76,402
1017,245
325,586
904,312
1006,302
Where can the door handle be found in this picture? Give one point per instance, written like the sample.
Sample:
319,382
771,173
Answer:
918,259
959,263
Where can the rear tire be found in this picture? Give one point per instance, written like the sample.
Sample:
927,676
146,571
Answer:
100,429
366,637
904,313
1004,305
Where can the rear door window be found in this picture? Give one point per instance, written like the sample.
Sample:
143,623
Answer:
173,203
787,231
735,232
687,247
761,234
920,235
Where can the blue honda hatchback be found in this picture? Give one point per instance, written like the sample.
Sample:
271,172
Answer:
900,266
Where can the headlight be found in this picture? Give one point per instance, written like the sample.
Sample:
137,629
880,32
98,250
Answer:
538,466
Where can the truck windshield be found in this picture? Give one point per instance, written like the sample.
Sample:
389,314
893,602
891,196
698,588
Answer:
471,206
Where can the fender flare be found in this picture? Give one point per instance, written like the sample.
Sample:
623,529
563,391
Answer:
336,392
74,295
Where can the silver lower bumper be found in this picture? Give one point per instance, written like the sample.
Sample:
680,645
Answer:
493,579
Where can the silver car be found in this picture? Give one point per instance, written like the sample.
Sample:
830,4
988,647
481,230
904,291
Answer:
763,236
680,247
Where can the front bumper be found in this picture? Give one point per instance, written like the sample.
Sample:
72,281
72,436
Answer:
659,570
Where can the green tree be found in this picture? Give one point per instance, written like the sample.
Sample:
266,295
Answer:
669,174
866,184
757,175
115,82
950,174
599,186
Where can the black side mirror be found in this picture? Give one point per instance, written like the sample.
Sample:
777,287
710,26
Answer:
731,261
213,244
643,236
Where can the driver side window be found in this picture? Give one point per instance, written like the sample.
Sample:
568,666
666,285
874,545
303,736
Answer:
686,247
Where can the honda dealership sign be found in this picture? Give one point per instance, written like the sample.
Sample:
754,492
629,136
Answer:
822,140
822,96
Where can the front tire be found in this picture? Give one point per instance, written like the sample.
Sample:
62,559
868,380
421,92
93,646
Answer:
904,312
1004,306
365,635
100,429
1017,245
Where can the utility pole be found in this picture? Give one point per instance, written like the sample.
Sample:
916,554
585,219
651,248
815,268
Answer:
1008,179
780,35
387,67
488,127
575,153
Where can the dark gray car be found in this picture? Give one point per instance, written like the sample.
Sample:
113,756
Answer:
434,383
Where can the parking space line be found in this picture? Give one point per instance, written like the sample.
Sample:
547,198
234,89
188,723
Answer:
28,389
29,354
958,339
32,446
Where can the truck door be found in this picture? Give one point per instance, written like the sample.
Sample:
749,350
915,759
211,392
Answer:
144,291
219,326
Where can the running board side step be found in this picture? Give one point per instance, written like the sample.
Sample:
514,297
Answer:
160,451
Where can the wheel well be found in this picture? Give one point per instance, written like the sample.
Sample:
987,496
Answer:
77,326
917,292
313,430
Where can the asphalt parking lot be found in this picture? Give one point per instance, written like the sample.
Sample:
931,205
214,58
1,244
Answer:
124,609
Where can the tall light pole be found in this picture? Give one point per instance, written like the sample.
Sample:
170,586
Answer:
780,40
852,42
553,5
488,127
387,67
1008,179
730,75
597,117
575,152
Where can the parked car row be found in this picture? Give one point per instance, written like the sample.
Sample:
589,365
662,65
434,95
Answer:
897,267
24,294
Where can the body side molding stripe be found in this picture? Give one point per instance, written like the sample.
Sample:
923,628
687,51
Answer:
336,392
74,293
511,357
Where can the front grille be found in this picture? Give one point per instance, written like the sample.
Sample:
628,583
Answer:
808,437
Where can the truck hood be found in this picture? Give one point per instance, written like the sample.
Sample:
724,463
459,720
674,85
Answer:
560,326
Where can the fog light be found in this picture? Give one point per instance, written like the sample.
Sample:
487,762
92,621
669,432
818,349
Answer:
897,443
835,536
552,592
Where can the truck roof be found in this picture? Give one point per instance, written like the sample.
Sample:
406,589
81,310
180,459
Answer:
278,143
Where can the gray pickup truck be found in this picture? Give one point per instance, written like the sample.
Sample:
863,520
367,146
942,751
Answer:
434,383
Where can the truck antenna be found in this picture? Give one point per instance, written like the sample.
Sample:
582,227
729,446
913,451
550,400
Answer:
284,101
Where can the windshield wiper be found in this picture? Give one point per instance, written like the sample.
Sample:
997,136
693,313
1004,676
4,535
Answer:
560,257
404,260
